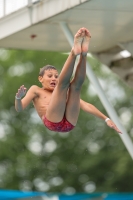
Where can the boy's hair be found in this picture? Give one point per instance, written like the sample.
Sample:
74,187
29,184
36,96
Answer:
43,69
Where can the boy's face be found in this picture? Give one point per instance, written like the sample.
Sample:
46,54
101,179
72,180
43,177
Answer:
50,79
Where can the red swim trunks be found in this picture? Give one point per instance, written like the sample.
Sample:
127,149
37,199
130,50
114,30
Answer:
63,126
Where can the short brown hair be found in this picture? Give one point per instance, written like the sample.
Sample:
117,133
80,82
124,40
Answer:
43,69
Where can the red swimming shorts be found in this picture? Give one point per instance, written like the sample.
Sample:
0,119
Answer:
63,126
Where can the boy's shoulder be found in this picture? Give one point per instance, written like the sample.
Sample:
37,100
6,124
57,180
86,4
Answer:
34,87
35,91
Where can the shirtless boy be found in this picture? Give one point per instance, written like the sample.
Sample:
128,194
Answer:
58,102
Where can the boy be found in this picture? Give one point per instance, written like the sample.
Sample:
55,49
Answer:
58,101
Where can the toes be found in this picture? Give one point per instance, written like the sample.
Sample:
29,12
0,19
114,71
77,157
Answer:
78,34
87,32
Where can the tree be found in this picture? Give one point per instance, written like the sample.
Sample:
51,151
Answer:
90,158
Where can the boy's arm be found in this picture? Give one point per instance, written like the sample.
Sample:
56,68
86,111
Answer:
89,108
21,104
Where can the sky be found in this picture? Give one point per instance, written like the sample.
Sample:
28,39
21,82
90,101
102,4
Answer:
12,5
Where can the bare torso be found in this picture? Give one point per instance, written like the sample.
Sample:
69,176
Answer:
41,101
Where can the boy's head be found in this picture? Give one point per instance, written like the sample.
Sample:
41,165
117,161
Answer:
47,67
48,77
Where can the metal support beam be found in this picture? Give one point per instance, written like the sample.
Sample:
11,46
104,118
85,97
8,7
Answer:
4,8
110,110
29,2
30,10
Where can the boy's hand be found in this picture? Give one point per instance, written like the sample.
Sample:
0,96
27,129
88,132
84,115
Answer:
112,125
21,92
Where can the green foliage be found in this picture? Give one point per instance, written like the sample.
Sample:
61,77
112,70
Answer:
90,158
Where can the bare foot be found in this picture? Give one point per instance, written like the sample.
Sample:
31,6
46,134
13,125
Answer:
78,39
85,43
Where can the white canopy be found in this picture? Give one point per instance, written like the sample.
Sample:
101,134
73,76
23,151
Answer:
110,23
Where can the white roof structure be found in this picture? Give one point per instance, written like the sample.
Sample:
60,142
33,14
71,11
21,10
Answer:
110,23
34,24
50,25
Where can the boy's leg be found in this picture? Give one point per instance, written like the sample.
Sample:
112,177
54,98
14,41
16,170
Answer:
73,103
57,106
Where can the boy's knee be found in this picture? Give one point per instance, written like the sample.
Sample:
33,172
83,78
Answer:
63,86
75,86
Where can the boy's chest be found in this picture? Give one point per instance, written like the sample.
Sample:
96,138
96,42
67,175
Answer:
45,97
